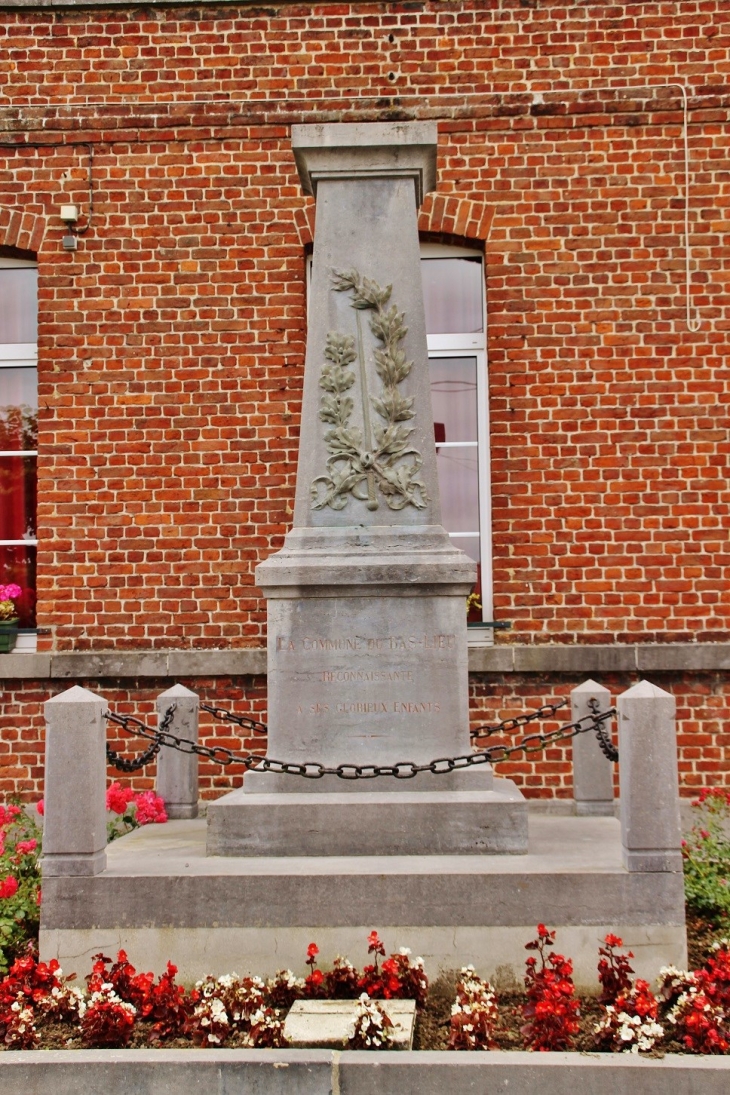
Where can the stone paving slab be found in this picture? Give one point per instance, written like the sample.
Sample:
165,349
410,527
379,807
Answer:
322,1072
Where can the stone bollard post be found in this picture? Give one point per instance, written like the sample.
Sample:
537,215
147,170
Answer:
592,772
177,773
74,831
650,825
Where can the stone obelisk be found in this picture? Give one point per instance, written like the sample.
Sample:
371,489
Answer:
367,640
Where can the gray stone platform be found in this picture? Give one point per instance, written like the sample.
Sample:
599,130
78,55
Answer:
160,897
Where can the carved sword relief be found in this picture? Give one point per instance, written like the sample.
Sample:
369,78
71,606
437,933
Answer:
376,459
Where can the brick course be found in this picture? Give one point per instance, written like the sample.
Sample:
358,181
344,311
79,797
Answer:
171,343
703,721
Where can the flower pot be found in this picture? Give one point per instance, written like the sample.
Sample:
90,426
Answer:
8,635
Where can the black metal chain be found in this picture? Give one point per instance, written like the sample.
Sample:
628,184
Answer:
605,744
244,721
532,743
125,721
547,711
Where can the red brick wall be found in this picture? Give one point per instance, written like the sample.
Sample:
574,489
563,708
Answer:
22,729
172,342
703,728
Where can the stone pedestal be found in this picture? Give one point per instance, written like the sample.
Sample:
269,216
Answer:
177,773
74,830
367,640
592,771
651,832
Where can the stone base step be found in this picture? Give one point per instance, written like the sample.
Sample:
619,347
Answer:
392,823
162,898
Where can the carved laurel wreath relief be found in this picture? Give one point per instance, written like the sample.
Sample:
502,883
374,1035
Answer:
377,459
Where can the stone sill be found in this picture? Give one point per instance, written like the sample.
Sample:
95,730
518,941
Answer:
581,659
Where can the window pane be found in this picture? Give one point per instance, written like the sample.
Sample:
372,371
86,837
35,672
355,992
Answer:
454,398
469,545
17,564
17,497
19,304
18,408
452,295
459,487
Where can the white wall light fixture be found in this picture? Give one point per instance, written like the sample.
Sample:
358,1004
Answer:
69,215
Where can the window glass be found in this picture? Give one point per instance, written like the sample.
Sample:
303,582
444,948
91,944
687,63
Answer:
453,295
454,398
453,285
459,487
18,433
18,304
17,564
471,546
18,408
17,498
454,402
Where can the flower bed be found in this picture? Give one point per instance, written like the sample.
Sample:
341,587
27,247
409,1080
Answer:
119,1007
687,1012
19,882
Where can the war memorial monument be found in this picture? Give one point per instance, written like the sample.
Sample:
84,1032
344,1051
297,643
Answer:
377,816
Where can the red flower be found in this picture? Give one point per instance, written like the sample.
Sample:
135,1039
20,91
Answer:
613,969
8,815
312,952
23,847
9,887
41,807
551,1012
118,798
150,808
374,944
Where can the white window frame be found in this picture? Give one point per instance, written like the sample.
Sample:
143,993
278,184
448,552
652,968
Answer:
473,345
18,355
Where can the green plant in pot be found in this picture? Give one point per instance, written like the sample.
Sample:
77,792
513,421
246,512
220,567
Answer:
8,616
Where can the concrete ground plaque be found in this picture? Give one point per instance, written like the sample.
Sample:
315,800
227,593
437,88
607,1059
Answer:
325,1023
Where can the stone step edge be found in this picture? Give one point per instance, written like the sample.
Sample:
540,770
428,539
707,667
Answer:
326,1072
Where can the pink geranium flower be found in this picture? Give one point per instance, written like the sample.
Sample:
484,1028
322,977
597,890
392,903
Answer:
150,808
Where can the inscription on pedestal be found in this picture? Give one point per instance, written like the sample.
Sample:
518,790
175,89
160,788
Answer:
360,642
359,691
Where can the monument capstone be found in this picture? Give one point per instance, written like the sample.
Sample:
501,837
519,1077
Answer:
367,639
